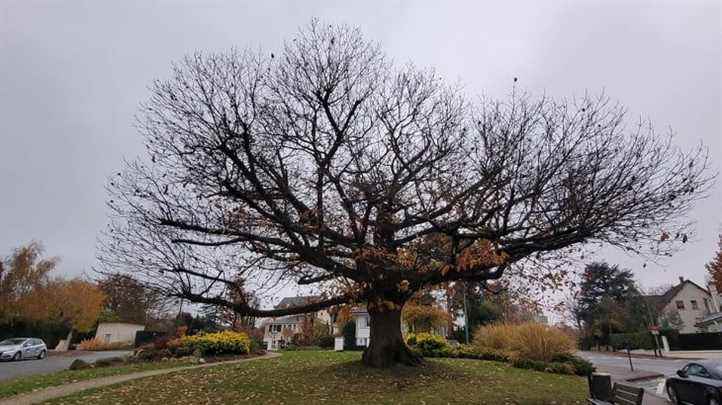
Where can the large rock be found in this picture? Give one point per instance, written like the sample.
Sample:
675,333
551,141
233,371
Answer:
110,361
78,364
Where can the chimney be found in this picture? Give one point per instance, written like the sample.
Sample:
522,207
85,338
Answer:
681,279
715,297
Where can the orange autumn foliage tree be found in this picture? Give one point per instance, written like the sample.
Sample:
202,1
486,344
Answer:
21,274
76,303
423,314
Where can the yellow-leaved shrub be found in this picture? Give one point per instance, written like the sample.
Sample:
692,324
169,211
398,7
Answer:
225,342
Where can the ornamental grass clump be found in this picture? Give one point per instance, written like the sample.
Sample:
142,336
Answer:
226,342
527,341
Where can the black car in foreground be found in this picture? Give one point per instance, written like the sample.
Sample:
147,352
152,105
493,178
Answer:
698,383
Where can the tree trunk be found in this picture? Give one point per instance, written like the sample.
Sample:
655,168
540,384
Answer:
387,346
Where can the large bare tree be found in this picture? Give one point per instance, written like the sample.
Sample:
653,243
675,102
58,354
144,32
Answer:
326,164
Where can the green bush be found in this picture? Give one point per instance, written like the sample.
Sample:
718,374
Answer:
473,352
150,353
325,342
349,335
560,364
549,367
581,366
561,368
226,342
529,364
639,340
182,351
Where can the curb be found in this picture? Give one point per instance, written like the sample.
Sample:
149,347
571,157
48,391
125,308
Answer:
60,391
646,356
645,377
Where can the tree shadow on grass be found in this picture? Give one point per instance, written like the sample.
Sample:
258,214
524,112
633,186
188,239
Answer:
399,377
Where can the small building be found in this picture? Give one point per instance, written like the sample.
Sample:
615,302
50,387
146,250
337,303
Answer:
683,306
279,331
117,332
363,326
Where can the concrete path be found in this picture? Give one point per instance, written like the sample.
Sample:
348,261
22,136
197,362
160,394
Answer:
68,389
54,362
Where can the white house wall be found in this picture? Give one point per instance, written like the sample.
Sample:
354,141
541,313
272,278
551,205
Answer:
363,331
114,332
688,315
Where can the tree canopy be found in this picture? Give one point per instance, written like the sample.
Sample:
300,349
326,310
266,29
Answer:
714,267
327,164
128,300
609,301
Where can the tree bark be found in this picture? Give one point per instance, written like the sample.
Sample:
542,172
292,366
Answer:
387,346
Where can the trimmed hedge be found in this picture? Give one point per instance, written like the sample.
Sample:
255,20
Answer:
50,332
696,341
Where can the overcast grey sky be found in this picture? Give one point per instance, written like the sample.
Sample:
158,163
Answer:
73,72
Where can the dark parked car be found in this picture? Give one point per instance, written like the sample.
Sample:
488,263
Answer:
698,383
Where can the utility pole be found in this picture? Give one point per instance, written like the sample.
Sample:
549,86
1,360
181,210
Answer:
466,317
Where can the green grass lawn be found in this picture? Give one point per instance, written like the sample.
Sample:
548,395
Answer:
31,383
306,377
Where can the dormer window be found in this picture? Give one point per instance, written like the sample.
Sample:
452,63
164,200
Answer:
680,305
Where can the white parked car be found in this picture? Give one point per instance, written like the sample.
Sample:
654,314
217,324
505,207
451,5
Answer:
22,348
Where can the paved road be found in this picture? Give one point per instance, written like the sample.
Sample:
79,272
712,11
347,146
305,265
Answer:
12,369
663,366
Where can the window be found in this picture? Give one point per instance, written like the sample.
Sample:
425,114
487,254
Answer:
698,371
274,328
706,304
694,304
680,304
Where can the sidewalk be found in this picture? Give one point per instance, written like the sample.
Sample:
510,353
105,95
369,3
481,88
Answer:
68,389
624,375
682,354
